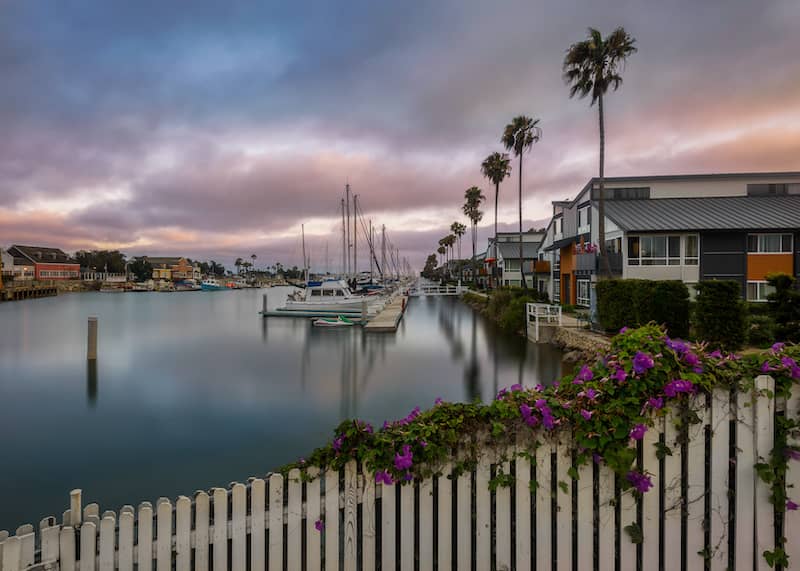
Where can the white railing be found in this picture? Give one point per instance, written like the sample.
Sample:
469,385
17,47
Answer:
544,313
707,496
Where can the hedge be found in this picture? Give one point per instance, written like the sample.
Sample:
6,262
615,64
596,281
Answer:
631,303
784,307
720,314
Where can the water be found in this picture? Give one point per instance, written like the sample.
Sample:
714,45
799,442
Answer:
194,390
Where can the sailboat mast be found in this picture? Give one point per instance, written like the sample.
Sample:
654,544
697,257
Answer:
344,243
383,251
371,251
355,235
305,260
347,203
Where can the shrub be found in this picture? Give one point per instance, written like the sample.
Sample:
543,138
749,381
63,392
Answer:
720,315
498,302
760,331
784,307
631,303
513,317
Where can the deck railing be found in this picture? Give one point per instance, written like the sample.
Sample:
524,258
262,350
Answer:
708,509
545,313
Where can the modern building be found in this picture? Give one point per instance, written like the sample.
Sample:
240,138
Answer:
46,263
502,262
740,227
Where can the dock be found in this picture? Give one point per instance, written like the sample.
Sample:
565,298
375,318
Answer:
16,293
388,319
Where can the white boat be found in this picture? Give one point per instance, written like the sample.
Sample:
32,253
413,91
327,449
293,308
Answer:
211,284
339,321
333,296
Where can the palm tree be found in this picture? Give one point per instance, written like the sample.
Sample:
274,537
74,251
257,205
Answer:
238,263
253,265
519,136
458,229
591,67
496,167
472,202
441,249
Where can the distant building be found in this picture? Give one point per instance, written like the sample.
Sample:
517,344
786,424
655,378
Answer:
691,228
502,262
172,269
7,261
46,263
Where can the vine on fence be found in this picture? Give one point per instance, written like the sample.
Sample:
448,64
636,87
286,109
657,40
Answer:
607,407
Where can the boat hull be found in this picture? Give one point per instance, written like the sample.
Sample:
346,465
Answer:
206,287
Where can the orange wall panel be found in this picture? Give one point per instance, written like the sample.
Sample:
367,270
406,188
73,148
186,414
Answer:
568,267
759,265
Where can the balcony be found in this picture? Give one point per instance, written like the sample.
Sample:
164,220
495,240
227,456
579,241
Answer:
541,266
586,262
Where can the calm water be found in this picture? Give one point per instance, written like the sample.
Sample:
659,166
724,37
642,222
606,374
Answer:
195,390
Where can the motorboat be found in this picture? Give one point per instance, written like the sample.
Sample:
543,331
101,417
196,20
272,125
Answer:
211,284
338,321
331,295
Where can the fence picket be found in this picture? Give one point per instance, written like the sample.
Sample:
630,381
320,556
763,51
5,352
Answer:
445,518
483,533
792,517
107,547
201,537
66,548
368,524
88,560
220,532
125,556
503,519
144,560
239,527
388,526
650,509
671,519
49,543
585,538
3,537
183,531
11,554
522,483
27,545
350,521
426,525
313,515
544,512
258,530
331,521
275,522
744,550
719,520
294,520
164,535
406,551
695,489
764,415
564,504
606,518
627,548
464,521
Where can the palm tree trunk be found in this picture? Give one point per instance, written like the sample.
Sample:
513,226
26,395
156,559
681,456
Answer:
601,223
474,244
496,195
521,270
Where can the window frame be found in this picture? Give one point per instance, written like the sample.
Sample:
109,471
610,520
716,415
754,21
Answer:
583,301
557,290
761,293
760,241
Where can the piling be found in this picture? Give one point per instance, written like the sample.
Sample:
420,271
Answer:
91,347
264,304
75,508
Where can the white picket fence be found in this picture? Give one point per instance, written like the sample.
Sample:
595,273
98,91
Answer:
706,498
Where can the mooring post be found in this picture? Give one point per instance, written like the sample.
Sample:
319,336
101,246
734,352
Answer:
91,348
264,304
75,508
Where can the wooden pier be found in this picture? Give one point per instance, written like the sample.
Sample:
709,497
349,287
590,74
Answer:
16,293
387,320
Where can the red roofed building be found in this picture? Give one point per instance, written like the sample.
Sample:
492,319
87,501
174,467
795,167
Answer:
48,263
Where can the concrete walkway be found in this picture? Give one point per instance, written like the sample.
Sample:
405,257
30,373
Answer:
389,318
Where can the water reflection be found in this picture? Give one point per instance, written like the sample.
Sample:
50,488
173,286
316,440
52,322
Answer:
91,382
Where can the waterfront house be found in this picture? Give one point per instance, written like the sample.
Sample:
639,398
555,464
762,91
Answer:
502,260
6,265
739,226
171,268
44,263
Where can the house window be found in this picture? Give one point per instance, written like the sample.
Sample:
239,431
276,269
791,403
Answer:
557,290
654,251
583,220
316,293
769,243
692,255
758,291
776,189
583,293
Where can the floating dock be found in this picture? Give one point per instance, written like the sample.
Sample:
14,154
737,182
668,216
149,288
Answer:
16,293
389,318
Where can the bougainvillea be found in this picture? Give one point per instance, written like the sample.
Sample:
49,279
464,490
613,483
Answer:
606,408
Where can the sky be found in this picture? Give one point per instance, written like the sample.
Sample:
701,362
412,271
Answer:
213,130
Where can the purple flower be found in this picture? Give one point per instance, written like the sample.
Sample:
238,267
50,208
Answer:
585,374
791,506
319,525
777,347
655,402
642,362
677,345
673,388
337,443
423,444
302,461
515,387
765,368
591,394
383,477
501,394
527,415
788,362
641,482
438,401
408,477
791,453
796,373
411,416
637,432
586,414
596,458
540,404
405,460
619,375
623,330
717,354
691,359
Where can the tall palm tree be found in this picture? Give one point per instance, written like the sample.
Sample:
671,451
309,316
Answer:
519,136
473,197
496,167
441,249
238,263
590,68
253,257
458,229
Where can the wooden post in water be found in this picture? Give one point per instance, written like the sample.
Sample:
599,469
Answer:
91,348
75,507
264,304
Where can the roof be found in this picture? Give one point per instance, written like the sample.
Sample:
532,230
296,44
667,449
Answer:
720,213
510,250
41,255
163,261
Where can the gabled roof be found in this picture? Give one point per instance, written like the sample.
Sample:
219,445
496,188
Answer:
720,213
163,261
510,250
41,255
